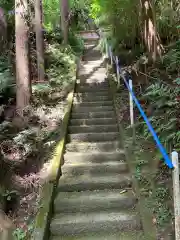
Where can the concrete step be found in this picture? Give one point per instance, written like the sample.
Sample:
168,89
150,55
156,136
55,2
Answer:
93,137
91,201
96,93
94,147
93,104
79,109
105,221
93,129
92,83
93,121
82,115
133,235
99,87
93,89
103,96
93,157
94,169
70,183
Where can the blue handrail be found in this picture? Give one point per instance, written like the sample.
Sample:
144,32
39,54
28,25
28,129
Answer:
151,129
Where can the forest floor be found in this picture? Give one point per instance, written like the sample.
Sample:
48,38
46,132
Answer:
25,151
27,144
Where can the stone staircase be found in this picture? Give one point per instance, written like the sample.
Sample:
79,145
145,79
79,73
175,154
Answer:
94,198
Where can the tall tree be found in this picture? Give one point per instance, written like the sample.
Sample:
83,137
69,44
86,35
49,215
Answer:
39,39
23,91
65,19
3,30
150,35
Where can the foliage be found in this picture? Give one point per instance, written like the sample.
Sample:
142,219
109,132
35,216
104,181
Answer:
61,62
53,35
164,100
171,60
79,14
6,78
160,207
24,232
9,194
76,43
118,16
167,18
51,11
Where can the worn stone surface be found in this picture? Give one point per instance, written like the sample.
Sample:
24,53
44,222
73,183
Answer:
94,137
89,114
106,236
104,221
94,146
93,128
93,121
90,201
94,157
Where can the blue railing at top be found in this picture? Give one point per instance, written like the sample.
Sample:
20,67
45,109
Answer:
158,143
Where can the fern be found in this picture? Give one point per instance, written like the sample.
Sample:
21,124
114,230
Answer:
165,121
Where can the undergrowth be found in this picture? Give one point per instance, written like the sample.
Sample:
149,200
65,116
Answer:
25,149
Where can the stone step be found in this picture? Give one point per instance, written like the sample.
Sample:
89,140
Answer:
93,121
96,93
82,115
95,98
97,62
94,147
105,221
79,109
92,83
133,235
92,104
93,129
91,201
93,89
91,94
94,169
70,183
94,157
93,137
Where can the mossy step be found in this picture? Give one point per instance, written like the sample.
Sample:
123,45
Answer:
105,221
92,104
93,129
92,114
94,147
70,183
93,121
93,137
79,109
136,235
94,169
93,201
94,157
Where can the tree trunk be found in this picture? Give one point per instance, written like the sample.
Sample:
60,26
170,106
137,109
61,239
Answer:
23,90
150,36
64,19
39,40
3,31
